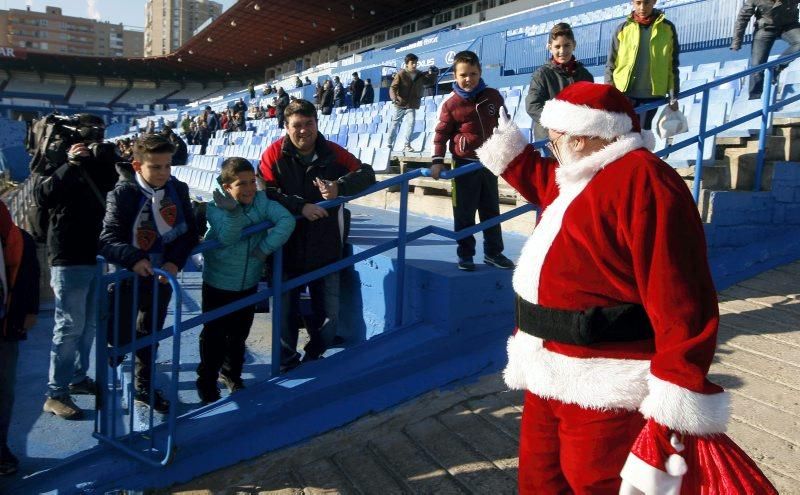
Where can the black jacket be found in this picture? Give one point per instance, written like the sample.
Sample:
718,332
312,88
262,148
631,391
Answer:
289,181
76,213
546,82
357,89
116,239
770,14
326,102
369,95
181,155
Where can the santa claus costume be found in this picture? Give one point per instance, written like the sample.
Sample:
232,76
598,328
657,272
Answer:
616,312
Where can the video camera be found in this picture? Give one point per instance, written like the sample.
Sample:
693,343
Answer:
49,138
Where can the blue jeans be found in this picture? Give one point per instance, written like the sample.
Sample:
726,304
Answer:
763,39
401,114
75,326
9,353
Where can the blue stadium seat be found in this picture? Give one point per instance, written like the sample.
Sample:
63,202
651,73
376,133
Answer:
380,162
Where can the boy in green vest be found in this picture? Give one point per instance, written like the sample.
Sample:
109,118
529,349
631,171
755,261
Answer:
650,73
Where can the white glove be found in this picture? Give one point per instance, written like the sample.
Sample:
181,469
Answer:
503,146
504,120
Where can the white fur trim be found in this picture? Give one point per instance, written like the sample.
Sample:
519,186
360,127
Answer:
592,383
649,139
586,167
581,120
501,148
572,180
640,478
685,411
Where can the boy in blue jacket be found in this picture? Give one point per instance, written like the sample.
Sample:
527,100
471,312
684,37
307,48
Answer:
149,223
232,271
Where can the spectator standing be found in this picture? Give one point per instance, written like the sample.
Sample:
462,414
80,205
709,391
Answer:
356,89
326,102
186,124
251,88
224,119
181,155
299,170
405,92
211,120
19,282
280,105
549,79
232,272
369,93
307,82
468,117
298,83
240,106
774,19
74,194
643,60
150,128
318,96
149,224
429,88
338,92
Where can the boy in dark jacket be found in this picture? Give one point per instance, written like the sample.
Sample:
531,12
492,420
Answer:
468,117
149,223
19,304
549,79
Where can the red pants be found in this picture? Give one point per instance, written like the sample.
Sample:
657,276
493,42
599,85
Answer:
564,448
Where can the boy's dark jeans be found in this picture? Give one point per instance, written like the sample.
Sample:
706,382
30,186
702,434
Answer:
763,39
222,341
476,191
144,326
9,354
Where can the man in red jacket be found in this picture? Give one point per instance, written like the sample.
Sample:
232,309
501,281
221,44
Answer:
300,170
468,117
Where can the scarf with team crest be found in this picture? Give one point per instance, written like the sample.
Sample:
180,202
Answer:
160,219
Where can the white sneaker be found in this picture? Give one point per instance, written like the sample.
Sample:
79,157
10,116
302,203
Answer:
408,149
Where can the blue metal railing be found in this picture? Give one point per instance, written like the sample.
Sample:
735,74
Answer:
142,445
769,105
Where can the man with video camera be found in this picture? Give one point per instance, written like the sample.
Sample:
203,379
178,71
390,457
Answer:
73,195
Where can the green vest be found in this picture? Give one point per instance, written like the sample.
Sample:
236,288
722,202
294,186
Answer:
661,44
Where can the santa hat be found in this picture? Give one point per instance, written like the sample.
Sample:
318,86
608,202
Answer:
589,109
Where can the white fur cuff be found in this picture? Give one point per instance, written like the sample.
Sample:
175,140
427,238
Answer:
685,411
501,148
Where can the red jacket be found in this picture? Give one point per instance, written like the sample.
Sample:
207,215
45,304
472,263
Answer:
467,124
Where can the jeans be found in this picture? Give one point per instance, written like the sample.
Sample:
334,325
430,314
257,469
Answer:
321,324
763,39
9,354
476,192
75,326
400,115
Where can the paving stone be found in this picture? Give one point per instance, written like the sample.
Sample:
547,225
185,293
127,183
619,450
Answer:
769,451
762,366
322,477
754,318
784,484
421,473
771,420
472,470
495,444
365,473
757,388
503,410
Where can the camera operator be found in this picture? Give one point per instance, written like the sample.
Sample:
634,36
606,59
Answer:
74,196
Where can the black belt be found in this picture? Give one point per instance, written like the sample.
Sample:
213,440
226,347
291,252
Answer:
623,323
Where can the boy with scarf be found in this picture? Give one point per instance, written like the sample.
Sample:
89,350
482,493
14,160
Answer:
468,117
643,60
149,223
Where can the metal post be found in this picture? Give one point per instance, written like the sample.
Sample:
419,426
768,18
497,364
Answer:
701,138
101,355
277,310
401,255
766,98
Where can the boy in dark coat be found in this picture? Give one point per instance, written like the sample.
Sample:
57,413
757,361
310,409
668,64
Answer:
468,117
149,223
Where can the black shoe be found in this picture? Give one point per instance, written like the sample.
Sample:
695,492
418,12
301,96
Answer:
311,357
86,387
466,264
8,462
290,364
499,260
233,384
207,391
159,403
